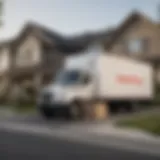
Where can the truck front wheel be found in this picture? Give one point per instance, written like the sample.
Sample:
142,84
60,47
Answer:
46,114
75,111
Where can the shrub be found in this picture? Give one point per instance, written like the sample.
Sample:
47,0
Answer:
22,95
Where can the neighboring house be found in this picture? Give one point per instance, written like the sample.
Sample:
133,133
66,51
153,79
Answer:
38,53
35,56
137,37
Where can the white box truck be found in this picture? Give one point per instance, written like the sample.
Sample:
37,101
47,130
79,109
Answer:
90,78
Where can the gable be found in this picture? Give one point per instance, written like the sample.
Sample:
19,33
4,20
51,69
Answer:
140,28
30,42
29,51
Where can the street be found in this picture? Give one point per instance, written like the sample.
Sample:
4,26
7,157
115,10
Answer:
30,147
32,137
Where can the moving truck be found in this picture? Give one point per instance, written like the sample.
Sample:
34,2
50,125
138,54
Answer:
91,78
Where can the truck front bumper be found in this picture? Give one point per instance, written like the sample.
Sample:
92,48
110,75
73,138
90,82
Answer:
54,109
53,106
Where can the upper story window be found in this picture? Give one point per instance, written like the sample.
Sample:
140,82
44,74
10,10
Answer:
139,46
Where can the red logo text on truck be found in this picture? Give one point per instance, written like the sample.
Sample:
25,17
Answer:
129,79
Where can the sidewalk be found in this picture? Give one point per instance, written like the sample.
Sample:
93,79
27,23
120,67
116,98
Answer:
143,112
106,128
111,130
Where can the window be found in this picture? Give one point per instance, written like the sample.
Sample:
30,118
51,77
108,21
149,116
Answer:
134,46
137,45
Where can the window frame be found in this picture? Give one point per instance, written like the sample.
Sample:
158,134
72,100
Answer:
137,45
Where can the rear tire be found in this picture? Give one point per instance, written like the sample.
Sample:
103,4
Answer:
131,107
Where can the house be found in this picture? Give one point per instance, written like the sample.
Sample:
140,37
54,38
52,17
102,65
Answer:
37,53
138,37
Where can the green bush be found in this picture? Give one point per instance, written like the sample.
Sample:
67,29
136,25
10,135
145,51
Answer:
22,97
25,108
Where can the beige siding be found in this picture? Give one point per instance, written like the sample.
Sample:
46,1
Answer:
29,52
143,29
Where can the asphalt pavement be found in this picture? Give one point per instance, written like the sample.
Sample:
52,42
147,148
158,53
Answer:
24,146
30,136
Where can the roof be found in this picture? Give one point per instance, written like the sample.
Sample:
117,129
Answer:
77,43
81,42
130,20
46,33
6,43
66,44
43,33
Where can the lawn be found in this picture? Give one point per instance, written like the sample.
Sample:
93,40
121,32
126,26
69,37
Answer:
24,108
149,123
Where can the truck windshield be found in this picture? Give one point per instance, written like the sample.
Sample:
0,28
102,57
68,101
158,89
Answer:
68,77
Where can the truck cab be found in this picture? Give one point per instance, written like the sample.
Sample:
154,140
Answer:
73,83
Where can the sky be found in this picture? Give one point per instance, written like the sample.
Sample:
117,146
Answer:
71,16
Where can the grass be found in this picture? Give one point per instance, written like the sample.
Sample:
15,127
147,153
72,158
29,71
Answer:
19,109
24,108
149,123
156,100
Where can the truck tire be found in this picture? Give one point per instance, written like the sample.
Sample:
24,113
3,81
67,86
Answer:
88,111
46,114
131,107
